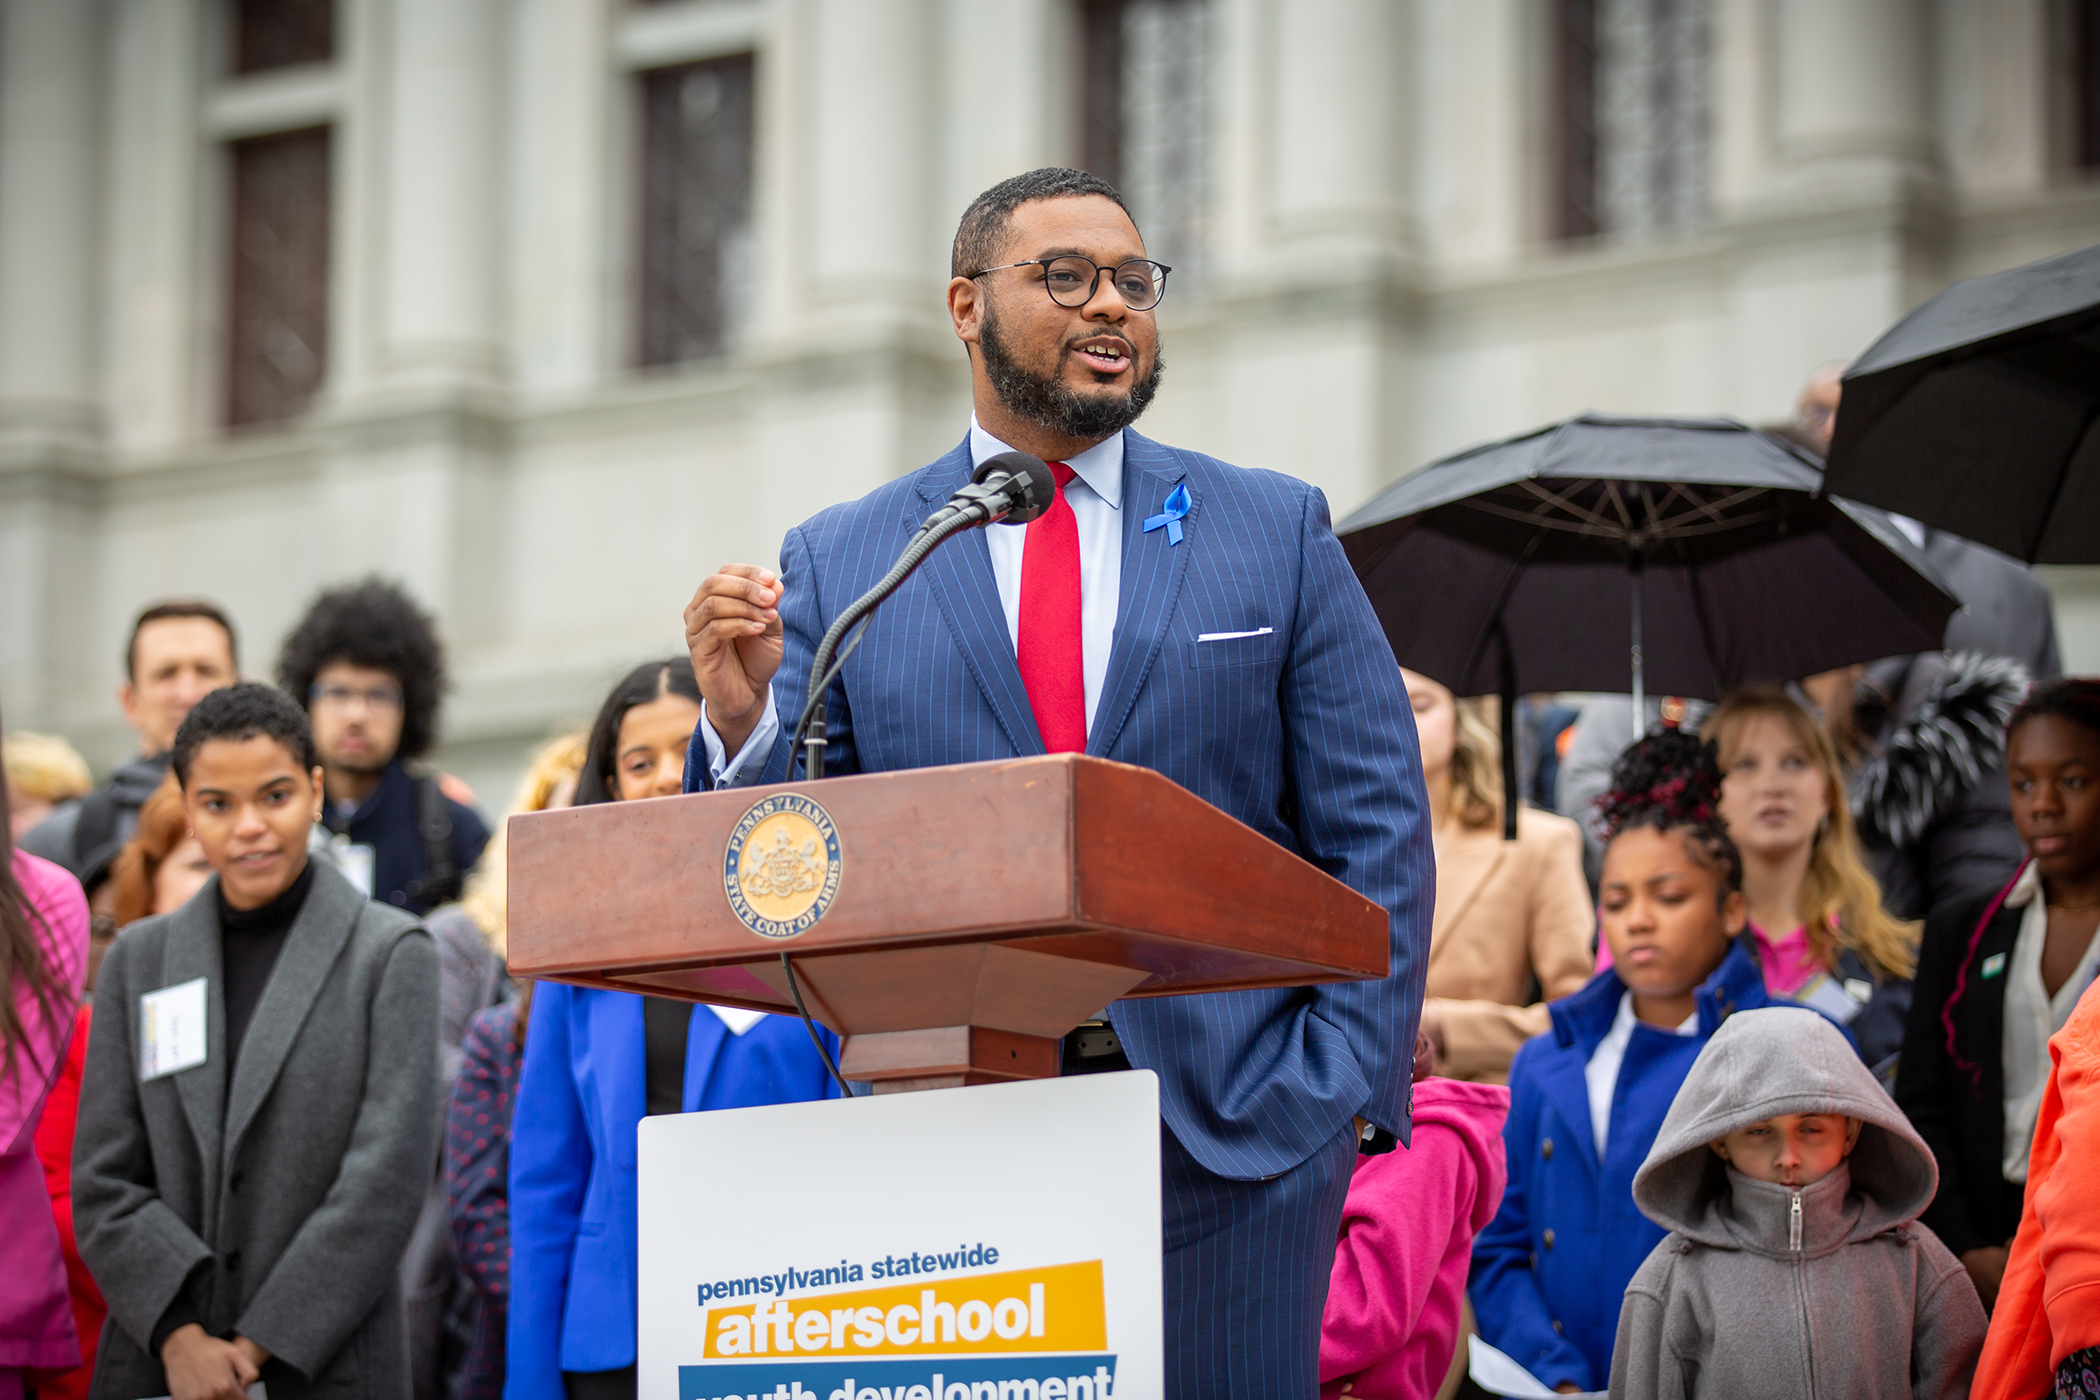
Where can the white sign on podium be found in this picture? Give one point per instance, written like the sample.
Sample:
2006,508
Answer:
1000,1241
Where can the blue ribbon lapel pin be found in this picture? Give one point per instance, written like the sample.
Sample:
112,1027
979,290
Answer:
1170,513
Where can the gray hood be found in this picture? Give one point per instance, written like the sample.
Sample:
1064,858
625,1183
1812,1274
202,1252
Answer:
1758,1065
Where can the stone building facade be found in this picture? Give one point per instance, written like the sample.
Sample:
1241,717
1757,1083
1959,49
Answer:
547,307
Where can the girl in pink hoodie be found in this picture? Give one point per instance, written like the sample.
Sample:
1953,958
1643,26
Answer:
1399,1282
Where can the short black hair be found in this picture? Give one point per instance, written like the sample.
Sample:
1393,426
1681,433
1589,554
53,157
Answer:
982,231
242,712
179,607
648,681
373,624
1669,781
2073,698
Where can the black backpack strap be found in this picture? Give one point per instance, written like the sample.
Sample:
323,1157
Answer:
441,878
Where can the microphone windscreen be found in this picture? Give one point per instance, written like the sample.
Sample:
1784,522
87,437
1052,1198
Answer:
1033,487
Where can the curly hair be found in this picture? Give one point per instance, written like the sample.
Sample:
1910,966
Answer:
2074,698
1671,781
982,231
373,624
242,712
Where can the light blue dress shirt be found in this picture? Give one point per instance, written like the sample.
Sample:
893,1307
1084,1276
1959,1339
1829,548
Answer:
1096,497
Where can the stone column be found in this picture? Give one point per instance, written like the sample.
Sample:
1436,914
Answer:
50,427
1854,98
1339,162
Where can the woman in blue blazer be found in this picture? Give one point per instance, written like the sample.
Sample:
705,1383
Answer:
1551,1269
597,1063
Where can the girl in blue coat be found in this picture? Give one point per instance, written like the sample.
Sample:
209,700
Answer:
598,1062
1587,1097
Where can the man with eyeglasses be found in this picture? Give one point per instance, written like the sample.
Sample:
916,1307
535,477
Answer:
367,664
1168,610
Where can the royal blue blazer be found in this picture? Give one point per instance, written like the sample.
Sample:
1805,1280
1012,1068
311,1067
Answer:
1302,732
1551,1269
572,1165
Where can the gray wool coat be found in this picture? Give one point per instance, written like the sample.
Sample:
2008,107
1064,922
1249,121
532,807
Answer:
289,1193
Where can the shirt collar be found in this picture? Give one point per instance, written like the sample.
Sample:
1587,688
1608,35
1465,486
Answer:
2025,889
1100,466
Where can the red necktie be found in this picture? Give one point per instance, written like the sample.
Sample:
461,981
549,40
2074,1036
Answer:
1050,651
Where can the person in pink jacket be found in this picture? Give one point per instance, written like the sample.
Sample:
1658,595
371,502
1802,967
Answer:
1399,1283
43,957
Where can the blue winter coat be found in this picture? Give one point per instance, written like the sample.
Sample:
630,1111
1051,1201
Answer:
1551,1269
582,1092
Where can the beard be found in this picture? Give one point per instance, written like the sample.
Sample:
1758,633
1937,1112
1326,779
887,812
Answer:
1046,400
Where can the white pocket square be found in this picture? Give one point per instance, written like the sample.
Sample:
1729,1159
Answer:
1234,636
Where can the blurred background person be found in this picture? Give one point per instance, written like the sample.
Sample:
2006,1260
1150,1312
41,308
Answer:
1513,922
2000,972
595,1064
477,1124
1816,921
41,771
178,652
43,961
367,665
448,1335
162,865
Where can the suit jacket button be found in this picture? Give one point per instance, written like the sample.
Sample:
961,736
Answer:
1548,1237
1558,1329
1534,1259
1546,1149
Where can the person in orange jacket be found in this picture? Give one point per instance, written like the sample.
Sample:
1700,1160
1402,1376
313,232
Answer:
2045,1333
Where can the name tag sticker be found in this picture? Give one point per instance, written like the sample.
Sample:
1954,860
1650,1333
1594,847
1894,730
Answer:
1992,965
172,1029
355,862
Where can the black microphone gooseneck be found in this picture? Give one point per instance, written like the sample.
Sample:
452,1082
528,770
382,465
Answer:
1012,487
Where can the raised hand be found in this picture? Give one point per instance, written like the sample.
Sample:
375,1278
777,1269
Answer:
732,632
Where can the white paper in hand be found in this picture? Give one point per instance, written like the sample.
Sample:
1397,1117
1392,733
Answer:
172,1032
1495,1373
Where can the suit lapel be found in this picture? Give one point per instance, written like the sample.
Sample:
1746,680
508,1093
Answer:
1466,867
193,950
310,951
1152,574
1563,1084
960,572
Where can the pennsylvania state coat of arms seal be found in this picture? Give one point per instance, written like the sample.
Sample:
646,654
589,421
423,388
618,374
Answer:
781,870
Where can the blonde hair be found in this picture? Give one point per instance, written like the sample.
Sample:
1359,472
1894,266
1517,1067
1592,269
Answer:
553,766
1840,903
1476,762
45,767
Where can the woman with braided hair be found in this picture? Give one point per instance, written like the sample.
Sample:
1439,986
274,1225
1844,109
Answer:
1587,1097
1999,973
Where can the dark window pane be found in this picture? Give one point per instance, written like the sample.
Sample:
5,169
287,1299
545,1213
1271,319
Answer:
278,316
1574,145
2085,27
280,33
1145,119
696,208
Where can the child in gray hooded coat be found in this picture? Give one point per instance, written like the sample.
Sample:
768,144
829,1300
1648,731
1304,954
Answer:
1791,1185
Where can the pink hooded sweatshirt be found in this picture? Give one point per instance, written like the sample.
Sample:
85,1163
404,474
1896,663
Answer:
1407,1240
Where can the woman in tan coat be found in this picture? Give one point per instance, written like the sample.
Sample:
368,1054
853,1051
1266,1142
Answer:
1513,918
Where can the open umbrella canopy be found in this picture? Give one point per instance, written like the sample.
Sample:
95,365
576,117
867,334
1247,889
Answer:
1516,566
1979,413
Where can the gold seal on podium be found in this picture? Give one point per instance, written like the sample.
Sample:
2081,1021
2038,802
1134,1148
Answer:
781,869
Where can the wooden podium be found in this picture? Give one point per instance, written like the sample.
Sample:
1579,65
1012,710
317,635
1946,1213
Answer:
950,924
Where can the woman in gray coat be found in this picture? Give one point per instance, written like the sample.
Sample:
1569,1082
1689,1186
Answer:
257,1114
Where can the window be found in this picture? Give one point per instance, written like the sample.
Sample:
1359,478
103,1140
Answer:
281,33
696,208
1632,116
2085,39
278,317
1146,119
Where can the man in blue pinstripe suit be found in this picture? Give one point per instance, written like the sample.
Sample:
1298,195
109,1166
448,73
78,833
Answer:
1171,611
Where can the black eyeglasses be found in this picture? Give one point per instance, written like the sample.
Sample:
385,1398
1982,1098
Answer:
1072,280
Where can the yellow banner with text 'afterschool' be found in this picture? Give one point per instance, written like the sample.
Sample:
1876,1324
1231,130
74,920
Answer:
1051,1309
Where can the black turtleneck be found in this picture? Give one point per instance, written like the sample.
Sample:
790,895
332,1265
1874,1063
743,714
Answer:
250,940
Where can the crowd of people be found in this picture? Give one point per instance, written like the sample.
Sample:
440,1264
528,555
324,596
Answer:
1768,1061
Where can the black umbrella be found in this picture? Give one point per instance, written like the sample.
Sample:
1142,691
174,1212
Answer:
1696,554
1977,413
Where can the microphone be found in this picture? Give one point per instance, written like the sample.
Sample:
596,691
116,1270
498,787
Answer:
1012,487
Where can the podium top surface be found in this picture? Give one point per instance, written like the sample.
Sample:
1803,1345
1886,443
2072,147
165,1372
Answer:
1065,855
